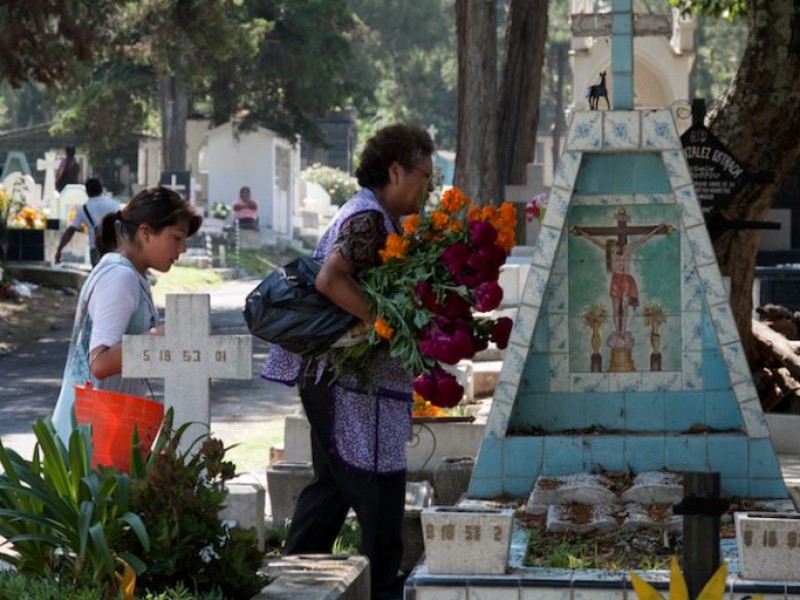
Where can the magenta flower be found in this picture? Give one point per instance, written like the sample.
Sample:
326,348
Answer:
488,296
482,233
448,349
501,331
440,388
455,257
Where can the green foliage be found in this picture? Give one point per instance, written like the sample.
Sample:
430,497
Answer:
715,8
349,539
62,516
340,185
179,497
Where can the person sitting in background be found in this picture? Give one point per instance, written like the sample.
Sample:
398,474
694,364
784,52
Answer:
245,210
69,169
90,214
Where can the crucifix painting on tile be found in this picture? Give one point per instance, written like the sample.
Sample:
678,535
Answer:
624,354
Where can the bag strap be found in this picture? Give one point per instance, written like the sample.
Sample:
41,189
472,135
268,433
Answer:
88,216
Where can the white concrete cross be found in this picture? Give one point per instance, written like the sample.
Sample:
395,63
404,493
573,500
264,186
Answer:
48,164
174,185
187,356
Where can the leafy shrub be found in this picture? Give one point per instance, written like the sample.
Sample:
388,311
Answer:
61,515
340,185
179,497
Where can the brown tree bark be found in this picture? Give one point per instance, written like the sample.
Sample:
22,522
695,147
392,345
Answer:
521,88
476,159
758,121
174,111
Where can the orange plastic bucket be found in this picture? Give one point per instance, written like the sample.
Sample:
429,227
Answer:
113,416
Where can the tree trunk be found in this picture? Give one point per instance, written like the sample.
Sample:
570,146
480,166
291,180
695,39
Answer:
758,121
476,158
174,110
518,115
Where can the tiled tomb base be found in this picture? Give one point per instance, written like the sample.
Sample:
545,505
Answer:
541,583
537,583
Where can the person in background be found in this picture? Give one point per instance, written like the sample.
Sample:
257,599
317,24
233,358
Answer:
149,233
359,432
69,169
245,210
91,215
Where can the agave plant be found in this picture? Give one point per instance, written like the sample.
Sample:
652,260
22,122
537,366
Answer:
61,516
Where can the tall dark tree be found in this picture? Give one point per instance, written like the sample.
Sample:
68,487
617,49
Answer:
476,156
518,115
758,120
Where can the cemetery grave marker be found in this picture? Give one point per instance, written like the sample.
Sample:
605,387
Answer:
187,356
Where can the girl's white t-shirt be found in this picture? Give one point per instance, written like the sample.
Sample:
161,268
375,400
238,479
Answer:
113,302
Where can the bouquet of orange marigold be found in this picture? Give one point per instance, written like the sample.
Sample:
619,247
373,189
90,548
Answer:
436,279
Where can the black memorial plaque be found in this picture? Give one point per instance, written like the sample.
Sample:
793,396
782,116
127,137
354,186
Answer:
716,173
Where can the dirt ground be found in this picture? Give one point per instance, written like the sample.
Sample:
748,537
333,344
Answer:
23,320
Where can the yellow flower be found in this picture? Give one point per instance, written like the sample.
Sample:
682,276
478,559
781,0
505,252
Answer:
453,200
383,330
411,224
396,247
714,589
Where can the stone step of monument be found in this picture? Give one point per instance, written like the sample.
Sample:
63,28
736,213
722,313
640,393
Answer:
647,487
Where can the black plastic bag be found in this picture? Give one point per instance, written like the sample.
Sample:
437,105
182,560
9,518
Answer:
287,310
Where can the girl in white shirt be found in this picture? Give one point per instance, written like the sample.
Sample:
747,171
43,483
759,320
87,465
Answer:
150,232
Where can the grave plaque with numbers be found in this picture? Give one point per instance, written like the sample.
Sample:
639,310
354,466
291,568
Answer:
187,356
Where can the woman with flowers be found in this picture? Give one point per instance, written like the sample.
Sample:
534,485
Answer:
360,421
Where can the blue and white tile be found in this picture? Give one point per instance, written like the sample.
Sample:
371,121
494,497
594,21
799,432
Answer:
589,382
745,392
712,284
621,130
558,293
735,362
654,199
692,371
624,199
513,363
754,422
586,131
442,593
667,381
558,334
524,325
700,245
561,261
492,593
500,413
689,207
677,168
722,317
692,292
535,286
692,331
558,374
625,382
567,170
543,593
658,130
546,244
593,200
557,206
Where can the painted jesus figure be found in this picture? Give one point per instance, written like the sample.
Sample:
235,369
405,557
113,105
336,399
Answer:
622,289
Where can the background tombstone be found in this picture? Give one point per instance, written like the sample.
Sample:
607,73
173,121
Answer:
16,161
177,181
48,164
187,356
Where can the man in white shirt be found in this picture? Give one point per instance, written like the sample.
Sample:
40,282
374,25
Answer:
90,214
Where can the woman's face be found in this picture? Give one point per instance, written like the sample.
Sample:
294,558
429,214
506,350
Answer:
416,184
162,249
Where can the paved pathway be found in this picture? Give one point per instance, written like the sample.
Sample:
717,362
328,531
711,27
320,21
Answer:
248,413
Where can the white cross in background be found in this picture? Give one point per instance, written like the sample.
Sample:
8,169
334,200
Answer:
174,186
48,164
186,357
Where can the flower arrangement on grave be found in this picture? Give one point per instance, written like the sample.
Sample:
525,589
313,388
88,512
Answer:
13,211
536,208
220,210
714,589
434,291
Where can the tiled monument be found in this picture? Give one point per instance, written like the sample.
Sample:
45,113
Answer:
624,354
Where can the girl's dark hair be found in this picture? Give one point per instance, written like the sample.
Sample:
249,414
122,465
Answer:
406,144
157,207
